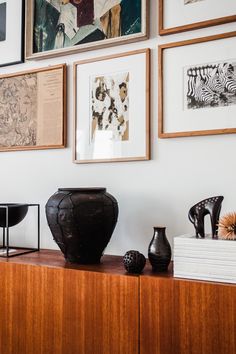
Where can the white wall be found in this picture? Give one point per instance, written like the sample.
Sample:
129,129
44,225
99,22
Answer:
157,192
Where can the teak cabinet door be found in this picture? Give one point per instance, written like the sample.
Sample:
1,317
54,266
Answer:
64,311
187,317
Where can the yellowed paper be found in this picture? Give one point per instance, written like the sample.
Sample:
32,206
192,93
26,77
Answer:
50,108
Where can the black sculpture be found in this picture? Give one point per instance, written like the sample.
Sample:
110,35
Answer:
134,262
197,213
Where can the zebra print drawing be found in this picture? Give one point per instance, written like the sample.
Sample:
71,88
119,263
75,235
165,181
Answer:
190,1
211,85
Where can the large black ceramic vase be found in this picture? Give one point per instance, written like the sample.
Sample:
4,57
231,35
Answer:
82,221
159,250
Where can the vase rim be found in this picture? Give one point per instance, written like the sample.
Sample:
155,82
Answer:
83,189
159,227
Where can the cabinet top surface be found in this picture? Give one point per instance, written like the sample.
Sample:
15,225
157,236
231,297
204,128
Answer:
109,265
55,259
52,258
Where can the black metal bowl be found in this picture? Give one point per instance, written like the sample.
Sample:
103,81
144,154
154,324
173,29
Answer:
16,213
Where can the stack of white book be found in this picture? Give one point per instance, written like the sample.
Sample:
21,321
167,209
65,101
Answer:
205,258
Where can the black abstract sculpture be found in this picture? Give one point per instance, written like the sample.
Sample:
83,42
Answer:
134,262
197,213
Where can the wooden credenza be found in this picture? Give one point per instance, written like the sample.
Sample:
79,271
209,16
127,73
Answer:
51,307
186,317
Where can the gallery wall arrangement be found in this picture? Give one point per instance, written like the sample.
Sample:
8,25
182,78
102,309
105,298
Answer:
106,89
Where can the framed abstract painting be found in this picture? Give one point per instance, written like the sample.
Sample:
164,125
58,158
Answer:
11,32
197,87
112,108
184,15
56,27
33,109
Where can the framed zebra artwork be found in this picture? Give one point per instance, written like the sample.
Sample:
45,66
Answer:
112,108
185,15
59,27
197,87
11,32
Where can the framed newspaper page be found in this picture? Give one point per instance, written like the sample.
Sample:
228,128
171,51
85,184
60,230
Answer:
33,109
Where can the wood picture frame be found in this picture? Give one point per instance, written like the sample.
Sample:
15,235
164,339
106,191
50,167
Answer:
194,8
33,109
112,108
197,87
60,28
12,20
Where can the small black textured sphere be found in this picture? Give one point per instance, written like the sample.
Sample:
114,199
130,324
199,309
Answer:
134,262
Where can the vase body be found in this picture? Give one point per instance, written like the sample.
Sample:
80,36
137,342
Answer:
82,221
159,250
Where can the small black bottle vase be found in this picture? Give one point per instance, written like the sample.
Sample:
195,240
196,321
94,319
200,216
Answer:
159,250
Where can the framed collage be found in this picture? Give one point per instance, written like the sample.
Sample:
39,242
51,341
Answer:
197,87
11,36
33,109
109,124
56,27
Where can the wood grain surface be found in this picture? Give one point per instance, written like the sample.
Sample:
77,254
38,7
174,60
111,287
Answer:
58,310
49,306
186,317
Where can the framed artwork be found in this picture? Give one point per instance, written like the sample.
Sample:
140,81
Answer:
197,87
56,27
112,108
184,15
33,109
11,32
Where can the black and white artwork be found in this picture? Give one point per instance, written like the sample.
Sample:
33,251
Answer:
210,85
110,106
186,2
3,12
18,109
